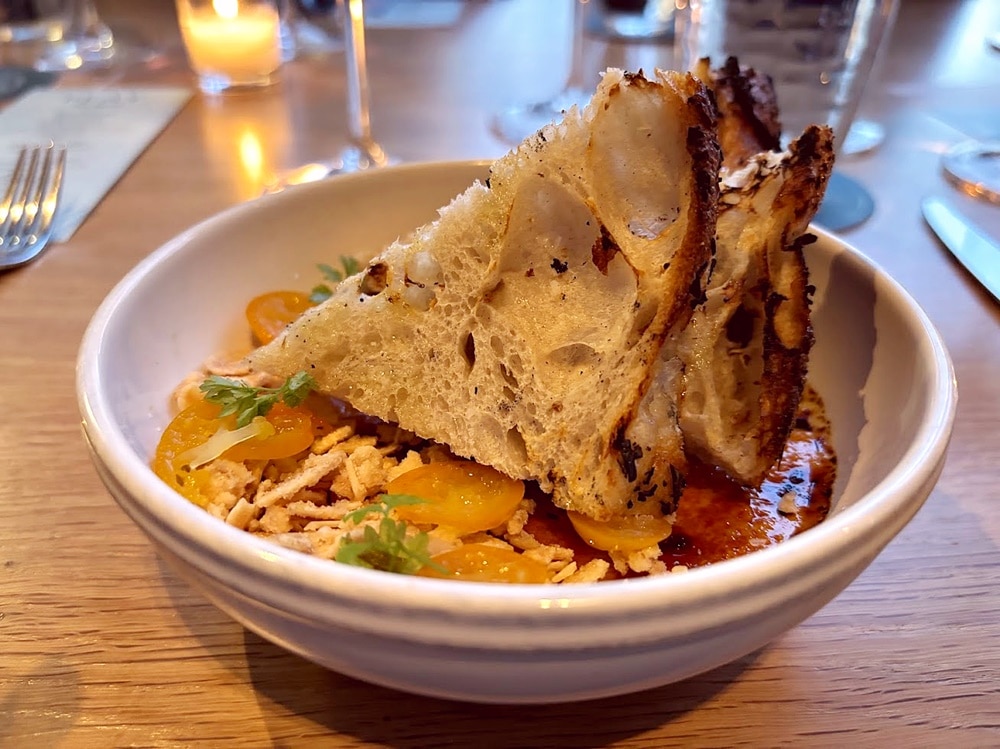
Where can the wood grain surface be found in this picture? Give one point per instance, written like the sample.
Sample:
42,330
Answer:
101,645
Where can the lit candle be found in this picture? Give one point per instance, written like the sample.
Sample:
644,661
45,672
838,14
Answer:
231,42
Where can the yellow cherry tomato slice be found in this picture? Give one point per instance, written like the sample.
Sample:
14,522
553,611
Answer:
489,564
191,427
461,495
270,313
293,433
626,534
195,425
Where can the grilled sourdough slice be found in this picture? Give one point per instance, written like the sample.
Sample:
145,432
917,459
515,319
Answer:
745,350
522,326
749,121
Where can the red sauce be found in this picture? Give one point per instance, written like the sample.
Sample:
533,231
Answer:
719,519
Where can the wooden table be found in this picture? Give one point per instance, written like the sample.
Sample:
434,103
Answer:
102,645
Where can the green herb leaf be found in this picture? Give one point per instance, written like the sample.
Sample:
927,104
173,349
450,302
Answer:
246,401
348,267
389,502
389,547
320,293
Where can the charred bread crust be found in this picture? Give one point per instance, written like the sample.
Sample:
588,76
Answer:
788,335
706,154
655,462
786,361
746,349
749,120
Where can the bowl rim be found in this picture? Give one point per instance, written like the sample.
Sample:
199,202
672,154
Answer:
199,533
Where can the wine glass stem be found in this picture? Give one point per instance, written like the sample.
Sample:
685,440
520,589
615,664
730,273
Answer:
358,113
577,72
83,19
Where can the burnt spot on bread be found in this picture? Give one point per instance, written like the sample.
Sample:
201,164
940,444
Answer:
375,279
604,250
703,147
639,79
803,241
559,266
629,454
677,484
648,488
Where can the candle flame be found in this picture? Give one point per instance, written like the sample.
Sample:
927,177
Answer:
226,8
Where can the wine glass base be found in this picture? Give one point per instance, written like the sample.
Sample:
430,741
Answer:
302,38
863,137
351,159
846,204
515,124
974,168
99,48
642,26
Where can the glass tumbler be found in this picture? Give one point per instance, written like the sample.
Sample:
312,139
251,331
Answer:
818,52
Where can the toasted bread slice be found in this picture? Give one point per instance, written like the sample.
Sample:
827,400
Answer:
749,120
522,327
745,350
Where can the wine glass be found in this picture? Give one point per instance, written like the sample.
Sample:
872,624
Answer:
634,20
78,39
973,166
310,27
363,151
514,124
863,136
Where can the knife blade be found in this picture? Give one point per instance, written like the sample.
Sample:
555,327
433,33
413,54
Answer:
968,243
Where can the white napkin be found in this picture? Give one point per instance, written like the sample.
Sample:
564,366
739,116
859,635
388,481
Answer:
104,130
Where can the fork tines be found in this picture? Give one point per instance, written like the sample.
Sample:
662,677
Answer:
30,201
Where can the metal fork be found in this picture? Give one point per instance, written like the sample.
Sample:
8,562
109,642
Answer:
30,202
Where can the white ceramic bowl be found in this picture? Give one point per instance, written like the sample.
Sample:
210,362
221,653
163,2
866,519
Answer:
878,362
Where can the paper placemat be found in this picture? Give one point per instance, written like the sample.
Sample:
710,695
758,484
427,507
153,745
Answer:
103,129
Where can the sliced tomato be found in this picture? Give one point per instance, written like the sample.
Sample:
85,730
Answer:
191,427
269,314
461,495
195,425
486,563
626,534
293,433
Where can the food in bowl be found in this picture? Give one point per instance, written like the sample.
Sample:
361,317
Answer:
883,371
612,309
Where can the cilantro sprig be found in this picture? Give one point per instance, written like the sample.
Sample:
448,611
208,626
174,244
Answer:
348,267
246,401
389,547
